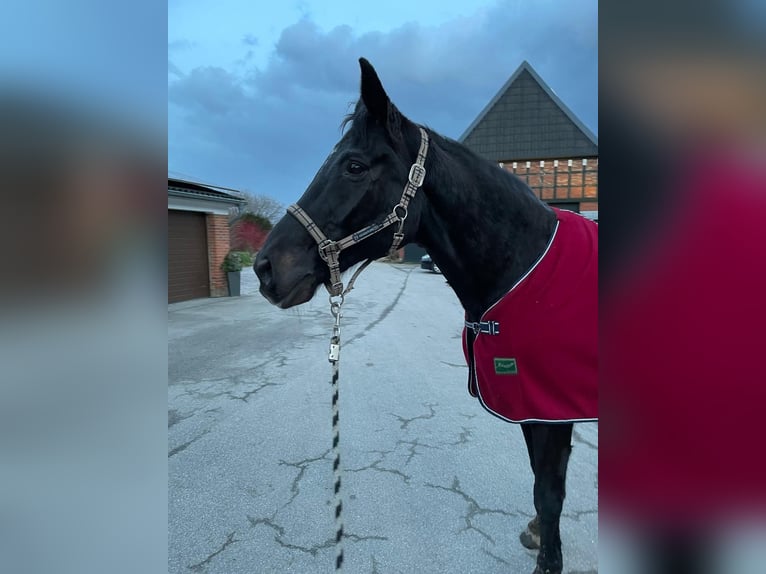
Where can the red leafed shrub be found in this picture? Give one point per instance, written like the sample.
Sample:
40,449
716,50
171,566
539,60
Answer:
249,232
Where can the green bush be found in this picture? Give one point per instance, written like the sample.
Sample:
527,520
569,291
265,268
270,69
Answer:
245,257
232,261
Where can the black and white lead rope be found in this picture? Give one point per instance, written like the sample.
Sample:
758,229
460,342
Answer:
334,358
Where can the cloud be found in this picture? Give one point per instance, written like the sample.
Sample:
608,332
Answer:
173,70
270,128
210,91
181,44
250,40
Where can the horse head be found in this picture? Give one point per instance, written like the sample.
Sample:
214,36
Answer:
355,189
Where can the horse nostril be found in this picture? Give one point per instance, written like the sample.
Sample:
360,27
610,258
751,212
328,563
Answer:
263,271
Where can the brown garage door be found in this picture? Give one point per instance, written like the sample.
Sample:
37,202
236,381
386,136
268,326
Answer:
187,256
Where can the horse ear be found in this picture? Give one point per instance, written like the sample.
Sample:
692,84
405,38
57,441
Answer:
373,95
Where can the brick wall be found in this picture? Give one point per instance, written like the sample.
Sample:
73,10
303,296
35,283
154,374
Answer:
573,179
217,248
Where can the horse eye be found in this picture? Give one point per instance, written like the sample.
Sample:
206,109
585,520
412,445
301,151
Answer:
355,168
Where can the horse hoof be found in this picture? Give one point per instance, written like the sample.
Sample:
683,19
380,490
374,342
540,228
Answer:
530,541
530,538
534,526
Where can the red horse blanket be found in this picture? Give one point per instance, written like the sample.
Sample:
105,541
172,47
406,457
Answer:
535,351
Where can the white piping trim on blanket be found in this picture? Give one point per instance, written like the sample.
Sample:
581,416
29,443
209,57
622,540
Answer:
529,271
506,419
476,378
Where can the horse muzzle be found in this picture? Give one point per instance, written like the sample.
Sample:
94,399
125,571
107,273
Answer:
284,282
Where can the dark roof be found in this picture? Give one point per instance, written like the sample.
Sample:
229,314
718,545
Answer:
527,120
183,188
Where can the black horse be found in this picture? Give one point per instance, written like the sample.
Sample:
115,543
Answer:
483,227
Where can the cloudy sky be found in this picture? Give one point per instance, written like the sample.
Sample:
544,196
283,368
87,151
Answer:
257,89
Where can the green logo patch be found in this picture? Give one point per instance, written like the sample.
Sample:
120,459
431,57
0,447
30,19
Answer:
506,367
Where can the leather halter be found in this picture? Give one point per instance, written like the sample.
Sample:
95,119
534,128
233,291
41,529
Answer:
329,250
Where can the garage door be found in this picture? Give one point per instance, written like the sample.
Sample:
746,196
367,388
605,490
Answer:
187,256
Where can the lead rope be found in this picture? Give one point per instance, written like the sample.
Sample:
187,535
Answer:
334,358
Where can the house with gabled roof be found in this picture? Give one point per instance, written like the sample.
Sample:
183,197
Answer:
529,131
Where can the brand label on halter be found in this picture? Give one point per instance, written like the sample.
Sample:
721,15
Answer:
367,231
505,366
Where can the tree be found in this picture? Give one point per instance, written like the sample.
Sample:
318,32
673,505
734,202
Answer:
261,205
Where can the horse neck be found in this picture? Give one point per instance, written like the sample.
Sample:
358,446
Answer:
481,225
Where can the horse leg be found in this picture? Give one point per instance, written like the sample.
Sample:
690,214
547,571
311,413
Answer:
530,536
552,445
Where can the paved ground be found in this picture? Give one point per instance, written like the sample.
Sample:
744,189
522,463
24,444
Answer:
432,483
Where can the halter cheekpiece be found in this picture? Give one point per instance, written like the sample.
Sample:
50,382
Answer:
329,249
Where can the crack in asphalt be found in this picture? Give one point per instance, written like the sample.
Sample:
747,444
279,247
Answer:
358,538
301,465
259,365
463,437
313,550
502,561
174,418
208,393
375,466
405,422
199,566
212,388
383,313
474,508
266,522
280,532
184,446
414,444
456,365
282,361
578,514
579,438
244,398
205,393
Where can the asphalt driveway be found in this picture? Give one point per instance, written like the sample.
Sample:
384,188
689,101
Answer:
432,483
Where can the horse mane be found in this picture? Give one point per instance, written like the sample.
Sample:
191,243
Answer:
491,185
357,118
496,185
360,117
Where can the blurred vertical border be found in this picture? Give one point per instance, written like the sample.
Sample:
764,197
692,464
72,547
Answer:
83,355
682,118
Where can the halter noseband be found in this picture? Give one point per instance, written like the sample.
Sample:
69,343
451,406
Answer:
329,250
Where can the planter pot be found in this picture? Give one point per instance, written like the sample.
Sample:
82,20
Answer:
233,277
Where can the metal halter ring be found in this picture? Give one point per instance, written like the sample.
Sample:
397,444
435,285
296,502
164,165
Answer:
396,213
336,305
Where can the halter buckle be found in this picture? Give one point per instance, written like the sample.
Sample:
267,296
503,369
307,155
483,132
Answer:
417,174
336,289
327,248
